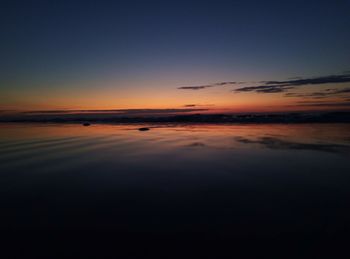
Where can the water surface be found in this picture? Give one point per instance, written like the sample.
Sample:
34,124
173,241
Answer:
234,182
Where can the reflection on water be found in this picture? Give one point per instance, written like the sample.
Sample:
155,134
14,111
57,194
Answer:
277,143
240,181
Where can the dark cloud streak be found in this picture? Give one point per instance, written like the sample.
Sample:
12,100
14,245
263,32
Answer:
263,89
116,111
283,86
319,95
199,87
313,81
197,105
326,104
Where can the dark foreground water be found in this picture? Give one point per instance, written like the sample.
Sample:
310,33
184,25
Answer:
194,191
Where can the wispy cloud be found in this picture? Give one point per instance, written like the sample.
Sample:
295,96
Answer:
325,104
6,111
199,87
264,89
116,111
313,81
314,95
196,145
319,95
283,86
197,105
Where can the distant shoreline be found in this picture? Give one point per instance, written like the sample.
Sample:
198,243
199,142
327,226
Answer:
327,117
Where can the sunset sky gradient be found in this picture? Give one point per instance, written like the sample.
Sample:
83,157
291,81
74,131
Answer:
175,54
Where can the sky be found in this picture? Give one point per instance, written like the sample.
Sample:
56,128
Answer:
234,56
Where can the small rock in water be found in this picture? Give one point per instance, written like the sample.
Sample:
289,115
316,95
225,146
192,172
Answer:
143,129
86,124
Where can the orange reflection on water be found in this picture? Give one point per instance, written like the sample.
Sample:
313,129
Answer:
205,132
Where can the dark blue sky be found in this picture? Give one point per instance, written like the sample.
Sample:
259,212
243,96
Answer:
55,44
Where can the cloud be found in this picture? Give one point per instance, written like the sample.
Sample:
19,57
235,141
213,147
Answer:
159,111
199,87
123,112
194,87
313,81
53,111
277,143
315,95
325,104
197,105
319,95
196,145
263,89
340,91
283,86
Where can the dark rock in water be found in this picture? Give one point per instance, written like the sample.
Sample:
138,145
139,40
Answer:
143,129
86,124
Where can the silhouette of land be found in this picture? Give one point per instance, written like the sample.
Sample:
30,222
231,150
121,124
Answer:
111,117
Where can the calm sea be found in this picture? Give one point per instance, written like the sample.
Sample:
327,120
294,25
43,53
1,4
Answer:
229,184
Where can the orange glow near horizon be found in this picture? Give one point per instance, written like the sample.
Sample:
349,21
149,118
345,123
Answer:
154,95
